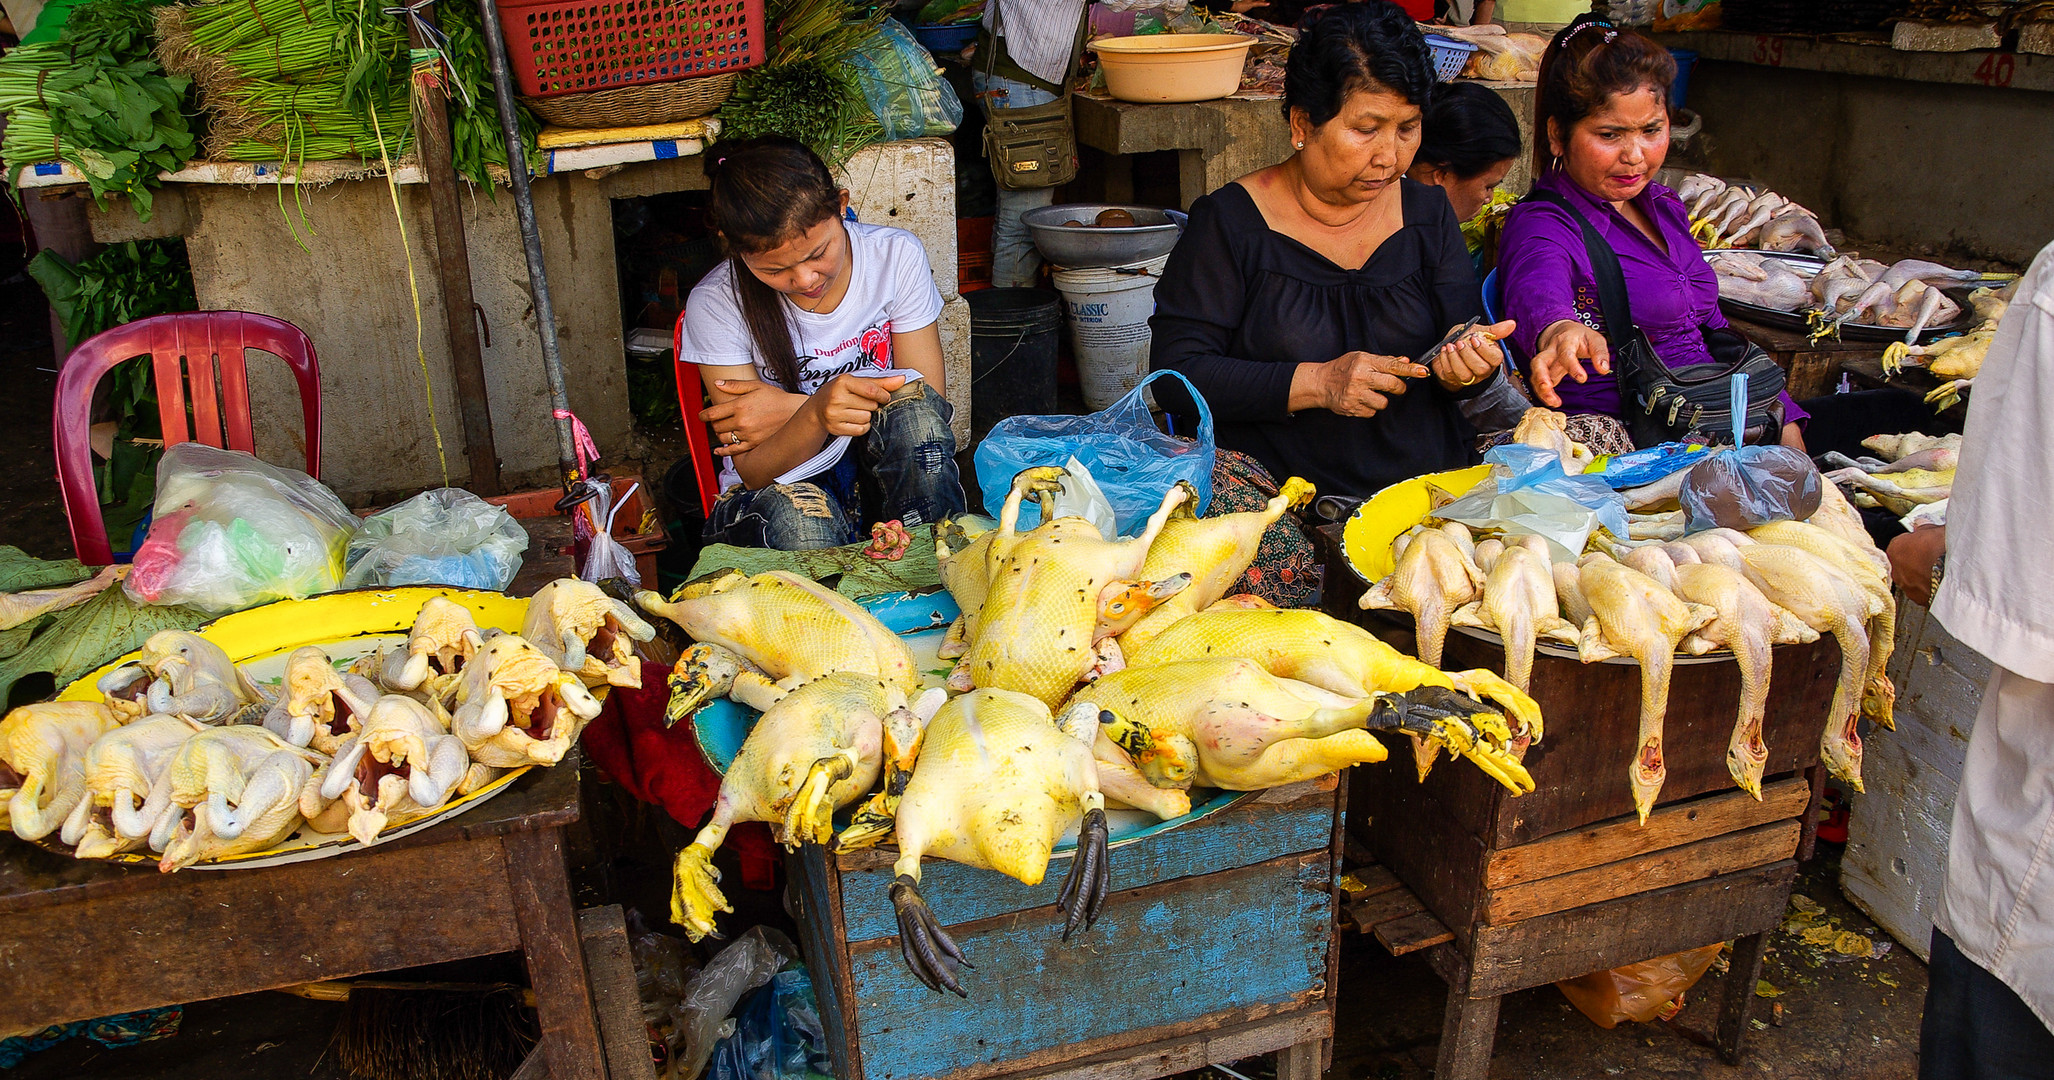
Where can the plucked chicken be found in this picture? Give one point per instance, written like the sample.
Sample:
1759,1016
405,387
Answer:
20,607
515,707
402,766
1038,631
586,632
819,748
1519,604
1830,600
1548,429
445,637
191,676
234,789
1215,550
43,762
128,787
759,637
1227,723
1434,576
1750,626
1870,568
1632,615
318,707
998,781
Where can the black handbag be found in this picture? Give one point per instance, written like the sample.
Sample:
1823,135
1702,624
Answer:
1665,404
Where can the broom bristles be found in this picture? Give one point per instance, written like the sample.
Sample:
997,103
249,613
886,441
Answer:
433,1034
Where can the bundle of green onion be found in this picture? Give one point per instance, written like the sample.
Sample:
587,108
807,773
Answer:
805,89
96,100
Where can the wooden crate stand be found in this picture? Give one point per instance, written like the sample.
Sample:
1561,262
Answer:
1215,944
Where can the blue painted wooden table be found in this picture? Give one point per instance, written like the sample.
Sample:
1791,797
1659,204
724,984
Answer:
1216,943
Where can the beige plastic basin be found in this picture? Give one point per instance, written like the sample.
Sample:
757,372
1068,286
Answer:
1173,67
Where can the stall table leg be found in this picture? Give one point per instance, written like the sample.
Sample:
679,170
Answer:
556,961
1744,967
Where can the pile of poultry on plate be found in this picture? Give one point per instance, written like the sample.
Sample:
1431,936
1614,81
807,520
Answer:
1736,215
189,756
1089,670
1660,592
1908,295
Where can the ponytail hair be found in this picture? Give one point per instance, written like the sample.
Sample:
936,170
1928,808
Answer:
1467,130
765,192
1587,63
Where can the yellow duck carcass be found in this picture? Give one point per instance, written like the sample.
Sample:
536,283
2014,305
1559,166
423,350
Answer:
998,780
761,636
965,566
1052,589
1227,723
1215,551
817,749
1314,647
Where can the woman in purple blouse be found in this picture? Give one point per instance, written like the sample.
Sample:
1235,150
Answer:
1602,109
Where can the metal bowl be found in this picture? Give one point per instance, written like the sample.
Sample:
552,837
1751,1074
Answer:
1152,235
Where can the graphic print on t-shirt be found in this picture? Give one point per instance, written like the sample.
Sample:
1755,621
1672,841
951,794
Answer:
871,348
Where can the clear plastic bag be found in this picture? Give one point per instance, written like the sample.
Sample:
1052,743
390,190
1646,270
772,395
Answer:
1638,992
712,994
777,1036
447,536
1527,492
902,86
604,556
230,531
1133,462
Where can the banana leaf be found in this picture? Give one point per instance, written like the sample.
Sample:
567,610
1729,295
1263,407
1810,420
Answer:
20,571
90,635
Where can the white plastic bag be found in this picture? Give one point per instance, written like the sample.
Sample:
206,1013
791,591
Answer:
714,991
447,536
230,531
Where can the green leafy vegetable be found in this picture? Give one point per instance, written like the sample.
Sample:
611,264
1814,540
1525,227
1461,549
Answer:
20,571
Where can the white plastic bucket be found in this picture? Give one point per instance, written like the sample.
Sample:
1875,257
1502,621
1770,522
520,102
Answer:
1109,309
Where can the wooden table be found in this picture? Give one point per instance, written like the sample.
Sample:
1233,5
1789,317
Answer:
1811,367
1566,880
86,939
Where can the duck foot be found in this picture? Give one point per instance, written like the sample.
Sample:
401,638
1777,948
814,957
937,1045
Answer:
1090,878
930,953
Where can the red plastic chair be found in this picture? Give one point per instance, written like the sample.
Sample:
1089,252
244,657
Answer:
698,436
190,354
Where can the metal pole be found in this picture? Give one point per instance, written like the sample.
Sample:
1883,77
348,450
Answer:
531,240
453,264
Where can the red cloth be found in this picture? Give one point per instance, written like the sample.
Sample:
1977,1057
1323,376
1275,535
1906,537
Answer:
628,741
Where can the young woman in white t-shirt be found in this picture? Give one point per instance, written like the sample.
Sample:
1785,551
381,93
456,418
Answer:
792,336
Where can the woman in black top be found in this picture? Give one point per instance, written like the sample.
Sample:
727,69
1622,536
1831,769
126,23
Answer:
1299,294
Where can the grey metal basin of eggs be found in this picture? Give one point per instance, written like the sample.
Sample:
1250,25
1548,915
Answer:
1085,243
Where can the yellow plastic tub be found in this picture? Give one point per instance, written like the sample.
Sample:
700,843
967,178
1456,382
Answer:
1173,67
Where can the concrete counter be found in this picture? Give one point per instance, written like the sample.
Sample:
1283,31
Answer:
1220,141
326,255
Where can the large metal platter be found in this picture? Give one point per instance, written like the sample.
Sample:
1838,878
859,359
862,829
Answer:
1809,265
923,619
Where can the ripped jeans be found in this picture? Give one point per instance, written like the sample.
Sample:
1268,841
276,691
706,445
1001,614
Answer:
904,468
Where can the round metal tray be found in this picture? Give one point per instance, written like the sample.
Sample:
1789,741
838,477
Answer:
1153,234
1809,265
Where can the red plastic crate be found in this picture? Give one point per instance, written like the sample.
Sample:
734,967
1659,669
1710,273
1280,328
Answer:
558,47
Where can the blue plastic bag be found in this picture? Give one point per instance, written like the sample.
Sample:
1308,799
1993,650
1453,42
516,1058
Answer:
1643,467
777,1036
1132,460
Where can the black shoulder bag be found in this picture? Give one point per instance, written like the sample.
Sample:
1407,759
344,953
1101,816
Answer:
1665,404
1034,146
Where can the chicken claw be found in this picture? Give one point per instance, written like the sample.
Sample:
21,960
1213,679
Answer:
1090,878
929,951
694,893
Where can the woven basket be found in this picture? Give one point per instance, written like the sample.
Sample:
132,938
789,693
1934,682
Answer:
629,106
